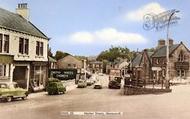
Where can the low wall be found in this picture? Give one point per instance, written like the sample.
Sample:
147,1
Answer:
132,90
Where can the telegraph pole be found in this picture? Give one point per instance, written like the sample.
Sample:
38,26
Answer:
167,51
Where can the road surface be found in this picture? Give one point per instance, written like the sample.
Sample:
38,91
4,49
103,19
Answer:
175,105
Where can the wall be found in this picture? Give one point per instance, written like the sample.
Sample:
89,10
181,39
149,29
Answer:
14,46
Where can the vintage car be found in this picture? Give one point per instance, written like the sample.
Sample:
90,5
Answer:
115,83
89,82
55,87
82,83
11,90
98,85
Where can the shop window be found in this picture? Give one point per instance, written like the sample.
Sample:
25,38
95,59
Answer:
4,43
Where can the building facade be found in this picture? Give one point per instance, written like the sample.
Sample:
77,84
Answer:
152,65
23,50
179,59
69,62
141,66
95,66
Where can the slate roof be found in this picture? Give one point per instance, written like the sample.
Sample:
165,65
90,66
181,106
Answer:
15,22
136,61
162,51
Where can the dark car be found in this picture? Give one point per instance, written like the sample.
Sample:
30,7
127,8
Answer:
55,87
114,84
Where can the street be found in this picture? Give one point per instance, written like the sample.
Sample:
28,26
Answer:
173,105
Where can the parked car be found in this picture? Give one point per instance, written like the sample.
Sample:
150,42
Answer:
55,87
114,84
82,83
93,78
11,90
98,85
89,82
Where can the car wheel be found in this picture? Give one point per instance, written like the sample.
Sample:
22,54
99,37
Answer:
24,98
9,99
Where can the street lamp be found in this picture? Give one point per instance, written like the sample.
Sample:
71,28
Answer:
167,50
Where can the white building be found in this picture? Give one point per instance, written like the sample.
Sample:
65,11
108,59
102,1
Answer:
23,50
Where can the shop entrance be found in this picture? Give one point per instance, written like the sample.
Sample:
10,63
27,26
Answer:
20,76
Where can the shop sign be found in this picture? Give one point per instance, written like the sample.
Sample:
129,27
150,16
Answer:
63,74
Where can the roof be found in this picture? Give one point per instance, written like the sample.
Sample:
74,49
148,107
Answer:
136,61
161,52
51,59
16,22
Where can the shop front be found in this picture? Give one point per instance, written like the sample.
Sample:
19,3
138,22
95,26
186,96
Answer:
6,64
38,75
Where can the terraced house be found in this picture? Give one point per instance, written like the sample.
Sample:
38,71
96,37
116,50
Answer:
23,50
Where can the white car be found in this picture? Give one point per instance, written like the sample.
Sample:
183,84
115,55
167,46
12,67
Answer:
98,85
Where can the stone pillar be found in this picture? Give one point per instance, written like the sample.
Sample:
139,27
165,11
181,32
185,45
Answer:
12,67
28,77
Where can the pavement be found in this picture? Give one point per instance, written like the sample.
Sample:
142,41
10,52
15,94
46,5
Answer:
106,103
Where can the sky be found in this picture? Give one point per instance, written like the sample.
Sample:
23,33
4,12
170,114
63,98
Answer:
87,27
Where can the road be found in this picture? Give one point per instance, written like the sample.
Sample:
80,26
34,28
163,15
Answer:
175,105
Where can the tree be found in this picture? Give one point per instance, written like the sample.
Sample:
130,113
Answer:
60,55
115,52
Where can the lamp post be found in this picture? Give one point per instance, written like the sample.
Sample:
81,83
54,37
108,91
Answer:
167,50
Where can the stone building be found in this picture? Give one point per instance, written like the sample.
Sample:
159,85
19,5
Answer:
152,65
141,66
95,66
23,50
69,62
179,59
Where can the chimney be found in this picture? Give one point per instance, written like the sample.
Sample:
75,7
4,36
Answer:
171,42
161,43
23,10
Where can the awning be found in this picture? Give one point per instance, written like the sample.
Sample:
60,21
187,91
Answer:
6,59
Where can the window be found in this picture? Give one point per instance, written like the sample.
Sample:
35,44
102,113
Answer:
181,73
26,46
4,43
1,42
23,45
39,48
181,57
2,70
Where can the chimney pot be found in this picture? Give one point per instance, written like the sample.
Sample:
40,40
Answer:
23,10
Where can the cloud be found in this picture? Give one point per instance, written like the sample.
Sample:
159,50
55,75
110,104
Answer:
82,37
107,36
138,14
